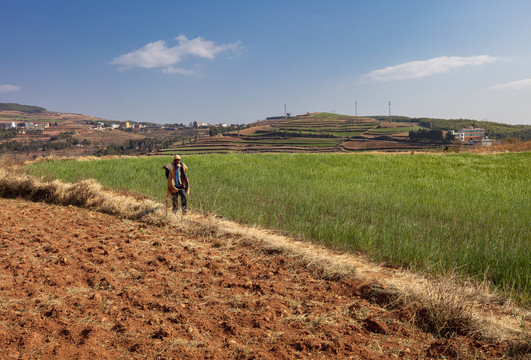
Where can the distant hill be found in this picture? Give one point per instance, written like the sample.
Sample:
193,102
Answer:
24,108
317,132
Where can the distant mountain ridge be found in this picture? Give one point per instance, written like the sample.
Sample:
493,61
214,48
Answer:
19,107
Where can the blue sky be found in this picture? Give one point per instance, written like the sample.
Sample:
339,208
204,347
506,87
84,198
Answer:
238,61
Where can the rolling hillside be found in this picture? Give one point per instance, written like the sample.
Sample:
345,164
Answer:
318,132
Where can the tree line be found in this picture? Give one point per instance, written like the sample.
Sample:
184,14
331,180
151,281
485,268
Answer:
131,147
23,108
433,135
8,134
65,140
35,146
215,130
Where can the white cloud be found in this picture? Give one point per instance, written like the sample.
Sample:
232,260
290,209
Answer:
423,68
514,85
9,88
158,54
174,70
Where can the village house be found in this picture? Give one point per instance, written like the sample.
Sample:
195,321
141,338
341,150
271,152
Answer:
199,124
470,134
8,125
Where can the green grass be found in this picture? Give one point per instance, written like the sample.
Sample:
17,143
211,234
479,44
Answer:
227,147
194,147
25,118
196,150
394,130
333,116
346,133
7,117
461,212
325,124
293,141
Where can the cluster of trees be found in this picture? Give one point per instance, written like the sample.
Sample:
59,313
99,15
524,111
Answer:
59,145
173,126
34,146
393,118
12,146
215,130
433,135
24,108
63,136
8,134
131,147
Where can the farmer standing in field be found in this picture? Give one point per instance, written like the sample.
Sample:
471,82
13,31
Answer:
177,183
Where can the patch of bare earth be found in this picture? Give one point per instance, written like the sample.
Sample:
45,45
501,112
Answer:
253,129
375,144
80,284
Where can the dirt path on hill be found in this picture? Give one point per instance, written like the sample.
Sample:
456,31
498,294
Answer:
78,284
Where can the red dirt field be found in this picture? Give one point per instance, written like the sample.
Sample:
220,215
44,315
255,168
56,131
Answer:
253,129
78,284
376,145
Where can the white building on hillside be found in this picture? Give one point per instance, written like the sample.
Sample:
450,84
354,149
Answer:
9,125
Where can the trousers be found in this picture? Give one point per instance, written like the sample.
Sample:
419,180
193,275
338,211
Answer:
175,200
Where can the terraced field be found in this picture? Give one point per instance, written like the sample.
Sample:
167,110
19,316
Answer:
320,132
264,144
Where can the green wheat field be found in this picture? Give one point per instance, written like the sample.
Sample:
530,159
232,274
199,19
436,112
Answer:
464,213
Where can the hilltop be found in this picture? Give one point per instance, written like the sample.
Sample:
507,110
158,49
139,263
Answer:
21,108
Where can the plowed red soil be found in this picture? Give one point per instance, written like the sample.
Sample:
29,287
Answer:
376,144
77,284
